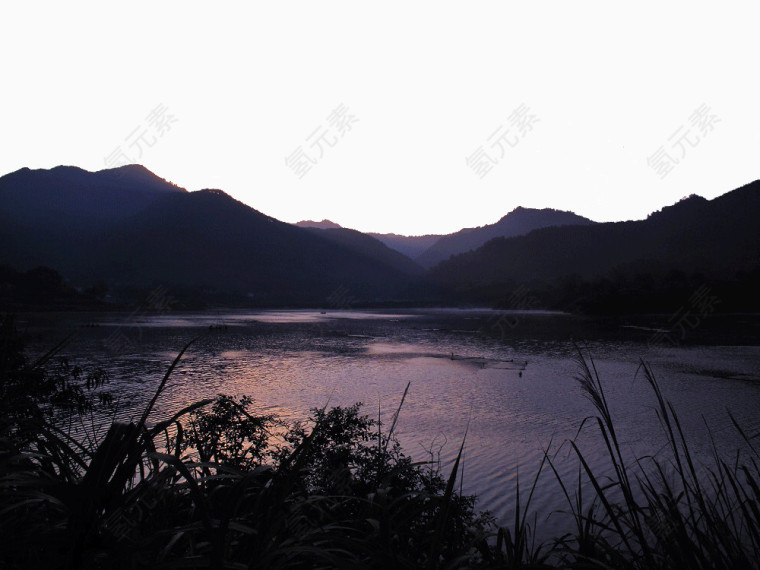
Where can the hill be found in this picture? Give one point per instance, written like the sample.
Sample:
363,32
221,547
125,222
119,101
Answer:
323,225
201,245
519,221
371,247
622,264
410,246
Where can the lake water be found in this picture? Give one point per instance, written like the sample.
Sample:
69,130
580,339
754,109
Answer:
507,378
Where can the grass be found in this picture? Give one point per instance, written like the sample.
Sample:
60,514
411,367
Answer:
215,486
660,512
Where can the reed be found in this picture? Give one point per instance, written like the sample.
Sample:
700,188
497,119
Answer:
659,511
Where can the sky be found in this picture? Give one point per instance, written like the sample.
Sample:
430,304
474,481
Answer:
406,117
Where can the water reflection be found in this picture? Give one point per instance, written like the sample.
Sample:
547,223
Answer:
516,394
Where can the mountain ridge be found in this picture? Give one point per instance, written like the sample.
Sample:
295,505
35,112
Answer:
204,243
136,230
695,240
519,221
323,225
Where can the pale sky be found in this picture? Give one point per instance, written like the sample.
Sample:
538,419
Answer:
558,104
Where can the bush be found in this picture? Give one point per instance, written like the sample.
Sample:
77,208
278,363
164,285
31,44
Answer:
224,489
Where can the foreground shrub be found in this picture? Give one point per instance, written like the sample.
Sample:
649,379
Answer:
213,486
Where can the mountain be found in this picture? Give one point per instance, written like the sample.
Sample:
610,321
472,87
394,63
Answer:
212,243
428,250
681,247
371,247
410,246
46,213
126,231
376,244
67,195
204,245
323,225
519,221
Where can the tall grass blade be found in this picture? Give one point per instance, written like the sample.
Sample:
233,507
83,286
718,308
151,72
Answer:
443,513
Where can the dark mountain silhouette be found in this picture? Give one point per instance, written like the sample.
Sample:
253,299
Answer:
411,246
323,225
67,195
125,231
46,213
369,246
683,246
519,221
210,242
204,244
428,250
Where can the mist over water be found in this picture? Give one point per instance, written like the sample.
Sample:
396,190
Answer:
514,394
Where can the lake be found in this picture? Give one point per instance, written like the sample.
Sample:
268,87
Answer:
505,377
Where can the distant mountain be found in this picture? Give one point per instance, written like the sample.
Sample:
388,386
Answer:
410,246
519,221
367,245
323,225
126,231
428,250
67,195
210,242
203,244
46,213
683,246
